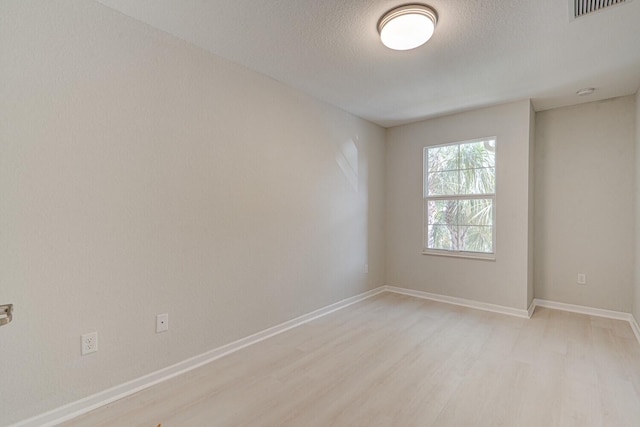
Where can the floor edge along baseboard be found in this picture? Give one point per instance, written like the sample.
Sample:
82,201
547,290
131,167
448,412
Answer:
635,327
500,309
87,404
591,311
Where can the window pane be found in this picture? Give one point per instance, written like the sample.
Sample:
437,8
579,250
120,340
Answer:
476,239
442,212
475,212
442,158
481,154
478,181
443,183
440,237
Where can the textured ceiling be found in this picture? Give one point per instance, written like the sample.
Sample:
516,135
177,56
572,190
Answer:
483,52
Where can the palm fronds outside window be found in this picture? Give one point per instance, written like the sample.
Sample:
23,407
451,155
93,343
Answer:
459,197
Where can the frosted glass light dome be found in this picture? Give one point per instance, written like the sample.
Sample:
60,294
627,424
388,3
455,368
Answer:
407,27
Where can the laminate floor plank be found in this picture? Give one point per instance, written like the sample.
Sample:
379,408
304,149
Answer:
394,360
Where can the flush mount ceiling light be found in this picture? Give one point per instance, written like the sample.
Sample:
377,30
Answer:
407,27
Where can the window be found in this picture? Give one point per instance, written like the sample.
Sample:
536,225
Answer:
459,198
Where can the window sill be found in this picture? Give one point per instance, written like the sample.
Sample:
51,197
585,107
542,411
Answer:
465,255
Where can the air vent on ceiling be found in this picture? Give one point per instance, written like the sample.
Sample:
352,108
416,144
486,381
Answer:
584,7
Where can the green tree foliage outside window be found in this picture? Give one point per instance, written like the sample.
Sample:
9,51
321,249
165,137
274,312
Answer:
459,196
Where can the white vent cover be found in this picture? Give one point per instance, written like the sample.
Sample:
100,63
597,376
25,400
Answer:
583,7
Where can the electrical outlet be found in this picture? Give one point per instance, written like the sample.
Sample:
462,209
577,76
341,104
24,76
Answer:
582,279
162,322
366,268
89,343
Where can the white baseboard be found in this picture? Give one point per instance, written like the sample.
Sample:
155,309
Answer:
460,301
82,406
581,309
591,311
634,326
532,308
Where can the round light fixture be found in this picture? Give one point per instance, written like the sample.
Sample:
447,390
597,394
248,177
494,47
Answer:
407,27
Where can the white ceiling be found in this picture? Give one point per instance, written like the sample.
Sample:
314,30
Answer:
484,52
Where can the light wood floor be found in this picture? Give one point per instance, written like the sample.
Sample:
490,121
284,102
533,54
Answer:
394,360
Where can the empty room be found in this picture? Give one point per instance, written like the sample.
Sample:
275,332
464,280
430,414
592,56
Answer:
319,213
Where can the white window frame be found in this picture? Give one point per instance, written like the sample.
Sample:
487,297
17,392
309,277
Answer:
491,256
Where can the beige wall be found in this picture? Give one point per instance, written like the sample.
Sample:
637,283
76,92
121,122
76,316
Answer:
504,281
636,290
140,175
584,204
